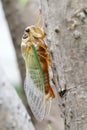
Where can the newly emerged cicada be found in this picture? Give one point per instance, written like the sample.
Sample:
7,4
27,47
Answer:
37,87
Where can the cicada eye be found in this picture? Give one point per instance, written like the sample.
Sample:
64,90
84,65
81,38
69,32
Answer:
25,36
27,30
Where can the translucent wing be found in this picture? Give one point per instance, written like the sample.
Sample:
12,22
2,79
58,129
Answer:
34,86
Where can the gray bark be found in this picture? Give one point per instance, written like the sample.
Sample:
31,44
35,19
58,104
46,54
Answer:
66,27
13,115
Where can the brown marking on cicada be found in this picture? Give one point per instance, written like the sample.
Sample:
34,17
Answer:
49,94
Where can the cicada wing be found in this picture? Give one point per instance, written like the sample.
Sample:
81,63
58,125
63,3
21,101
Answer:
34,69
35,98
34,87
47,107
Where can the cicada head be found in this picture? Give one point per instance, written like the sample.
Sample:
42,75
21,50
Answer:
25,44
31,33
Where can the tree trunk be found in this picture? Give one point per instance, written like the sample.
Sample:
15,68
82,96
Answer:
13,115
66,24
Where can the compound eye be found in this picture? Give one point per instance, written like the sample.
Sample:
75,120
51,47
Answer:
27,30
25,36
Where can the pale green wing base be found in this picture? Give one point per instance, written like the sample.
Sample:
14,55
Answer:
33,67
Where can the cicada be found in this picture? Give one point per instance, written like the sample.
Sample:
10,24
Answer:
37,60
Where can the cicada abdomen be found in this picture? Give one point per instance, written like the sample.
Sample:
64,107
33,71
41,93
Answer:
37,87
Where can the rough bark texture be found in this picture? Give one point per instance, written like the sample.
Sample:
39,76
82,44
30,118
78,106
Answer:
19,18
66,26
13,115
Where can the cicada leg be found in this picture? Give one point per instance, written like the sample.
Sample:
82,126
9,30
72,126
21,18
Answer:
49,93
